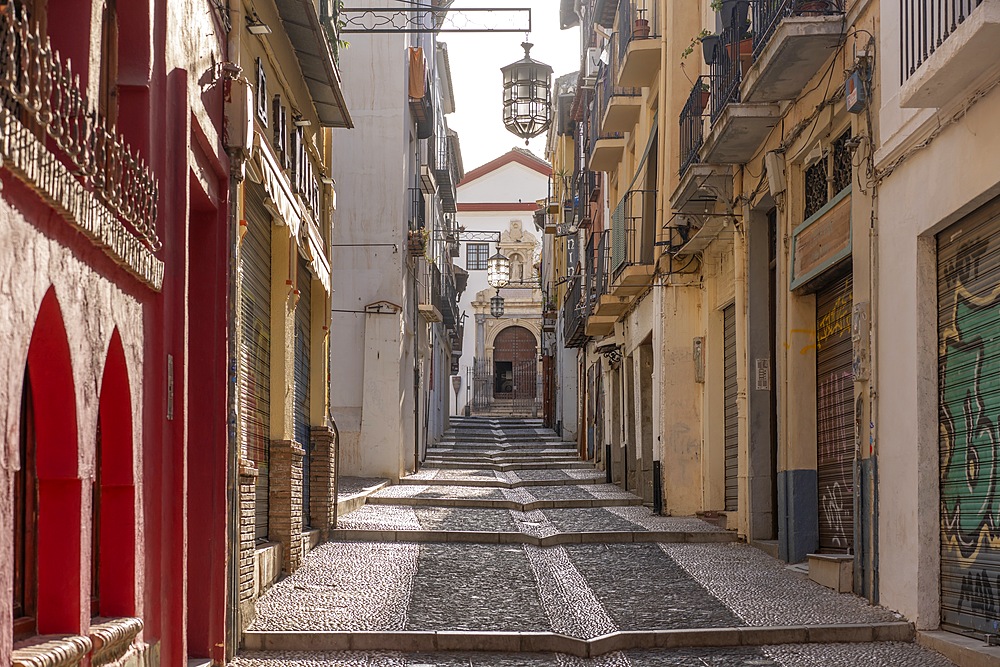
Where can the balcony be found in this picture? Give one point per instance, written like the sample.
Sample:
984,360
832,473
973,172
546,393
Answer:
738,128
606,148
621,106
601,320
446,172
574,315
585,192
418,209
948,49
430,290
792,40
445,299
421,107
701,185
633,232
639,45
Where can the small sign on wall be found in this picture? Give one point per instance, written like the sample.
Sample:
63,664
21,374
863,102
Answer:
698,354
762,374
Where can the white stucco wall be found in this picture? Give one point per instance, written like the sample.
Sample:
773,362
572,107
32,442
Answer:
921,197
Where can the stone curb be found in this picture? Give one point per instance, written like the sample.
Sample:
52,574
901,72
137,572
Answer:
961,650
550,642
482,537
508,467
348,504
502,458
501,484
503,504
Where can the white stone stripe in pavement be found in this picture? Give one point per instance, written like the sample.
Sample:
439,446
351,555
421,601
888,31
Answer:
570,604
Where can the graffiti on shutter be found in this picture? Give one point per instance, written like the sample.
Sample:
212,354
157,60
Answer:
835,417
969,395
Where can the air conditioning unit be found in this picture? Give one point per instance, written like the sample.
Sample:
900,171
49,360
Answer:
590,63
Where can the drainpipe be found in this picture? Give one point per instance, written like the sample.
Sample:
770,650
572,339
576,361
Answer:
740,287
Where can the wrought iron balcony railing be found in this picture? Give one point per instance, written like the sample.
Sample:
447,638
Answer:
598,257
693,116
926,25
633,224
597,109
574,315
39,89
418,209
584,188
767,14
606,88
446,171
727,69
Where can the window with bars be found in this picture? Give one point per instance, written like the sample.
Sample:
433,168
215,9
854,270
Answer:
828,176
476,255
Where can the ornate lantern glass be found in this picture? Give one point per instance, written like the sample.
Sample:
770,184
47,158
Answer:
496,305
498,270
527,96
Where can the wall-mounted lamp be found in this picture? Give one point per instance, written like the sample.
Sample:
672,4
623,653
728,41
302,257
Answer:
257,27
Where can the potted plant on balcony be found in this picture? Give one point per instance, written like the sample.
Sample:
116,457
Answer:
701,38
705,95
733,13
640,29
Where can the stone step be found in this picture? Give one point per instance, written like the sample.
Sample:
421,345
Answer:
502,484
491,537
478,503
507,467
502,459
503,453
551,642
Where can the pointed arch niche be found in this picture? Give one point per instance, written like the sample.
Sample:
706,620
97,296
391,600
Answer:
58,525
114,490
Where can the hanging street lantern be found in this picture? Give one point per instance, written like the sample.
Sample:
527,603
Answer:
496,305
498,270
527,96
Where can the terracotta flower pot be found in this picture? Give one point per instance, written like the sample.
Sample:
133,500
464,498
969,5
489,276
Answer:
641,29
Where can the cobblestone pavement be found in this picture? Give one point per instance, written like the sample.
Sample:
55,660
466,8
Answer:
883,654
579,590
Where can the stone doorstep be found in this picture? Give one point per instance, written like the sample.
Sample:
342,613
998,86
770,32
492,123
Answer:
834,571
482,537
962,650
502,484
503,504
551,642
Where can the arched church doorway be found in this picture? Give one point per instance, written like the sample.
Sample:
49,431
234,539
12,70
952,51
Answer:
515,367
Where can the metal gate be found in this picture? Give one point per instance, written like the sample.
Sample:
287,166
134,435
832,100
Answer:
303,322
835,416
255,346
509,383
731,421
968,378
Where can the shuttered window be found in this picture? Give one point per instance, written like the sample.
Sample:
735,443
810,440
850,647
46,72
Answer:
835,416
730,412
969,395
255,346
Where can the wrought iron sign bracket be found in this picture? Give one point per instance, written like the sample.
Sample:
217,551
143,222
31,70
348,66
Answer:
425,19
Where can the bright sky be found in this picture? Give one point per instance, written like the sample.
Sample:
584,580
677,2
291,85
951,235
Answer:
476,59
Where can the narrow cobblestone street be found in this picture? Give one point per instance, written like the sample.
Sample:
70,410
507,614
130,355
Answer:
506,541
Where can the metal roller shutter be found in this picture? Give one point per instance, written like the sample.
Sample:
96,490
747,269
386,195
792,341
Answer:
835,416
255,346
969,395
730,412
303,322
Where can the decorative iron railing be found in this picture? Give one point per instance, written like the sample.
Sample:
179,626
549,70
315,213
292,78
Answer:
515,390
574,314
632,224
597,109
926,25
418,209
727,70
584,187
766,15
599,258
39,89
693,115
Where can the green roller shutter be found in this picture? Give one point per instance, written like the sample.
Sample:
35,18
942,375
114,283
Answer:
969,413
